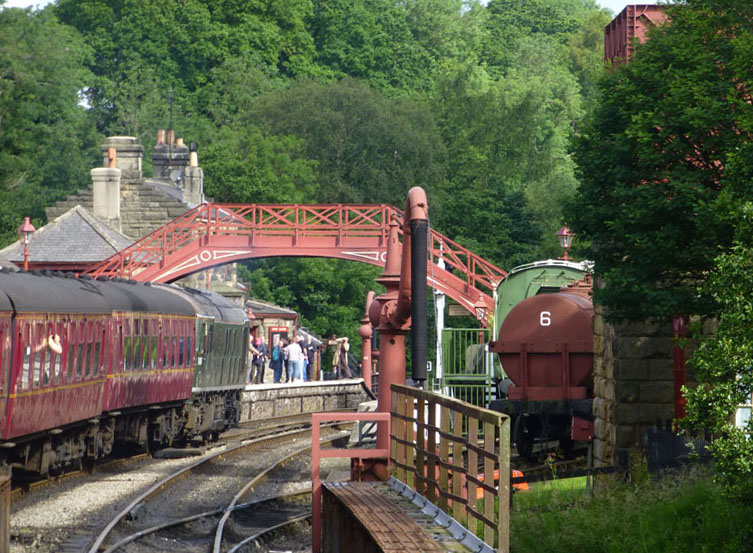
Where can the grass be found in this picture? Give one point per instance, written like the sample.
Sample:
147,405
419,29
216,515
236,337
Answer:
684,513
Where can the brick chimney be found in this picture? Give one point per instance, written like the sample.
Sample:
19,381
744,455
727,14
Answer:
106,190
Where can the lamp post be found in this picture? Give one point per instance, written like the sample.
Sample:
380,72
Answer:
25,235
565,237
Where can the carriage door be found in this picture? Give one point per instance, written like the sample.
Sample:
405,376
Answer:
5,369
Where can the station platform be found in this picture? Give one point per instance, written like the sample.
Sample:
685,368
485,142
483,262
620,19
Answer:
387,517
278,400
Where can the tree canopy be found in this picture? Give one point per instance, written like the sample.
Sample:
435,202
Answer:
47,145
661,162
310,101
665,198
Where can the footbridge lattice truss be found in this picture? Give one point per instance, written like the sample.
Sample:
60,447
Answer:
215,234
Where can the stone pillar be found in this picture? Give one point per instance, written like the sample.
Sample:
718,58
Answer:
193,185
129,154
633,384
106,191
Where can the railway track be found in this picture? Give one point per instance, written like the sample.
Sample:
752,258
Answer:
245,430
148,511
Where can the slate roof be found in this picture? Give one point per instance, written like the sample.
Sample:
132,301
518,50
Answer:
264,308
74,237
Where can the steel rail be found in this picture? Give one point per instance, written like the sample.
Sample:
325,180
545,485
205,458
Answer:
151,530
156,488
249,485
268,530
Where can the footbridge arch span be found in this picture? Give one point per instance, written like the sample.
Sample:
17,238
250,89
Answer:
215,234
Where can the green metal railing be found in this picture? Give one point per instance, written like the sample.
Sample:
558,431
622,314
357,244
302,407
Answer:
468,369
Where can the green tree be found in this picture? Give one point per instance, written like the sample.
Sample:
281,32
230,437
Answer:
508,152
246,167
158,45
369,40
664,159
47,144
368,148
724,362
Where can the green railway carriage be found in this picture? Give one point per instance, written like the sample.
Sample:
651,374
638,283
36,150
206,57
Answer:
222,333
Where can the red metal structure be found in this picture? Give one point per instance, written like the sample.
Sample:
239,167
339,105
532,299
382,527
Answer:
215,234
632,23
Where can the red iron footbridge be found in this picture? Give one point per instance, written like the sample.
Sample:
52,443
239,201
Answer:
215,234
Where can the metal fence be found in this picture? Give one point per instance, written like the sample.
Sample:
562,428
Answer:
432,454
467,366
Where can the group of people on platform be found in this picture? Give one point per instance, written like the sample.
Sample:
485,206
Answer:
294,358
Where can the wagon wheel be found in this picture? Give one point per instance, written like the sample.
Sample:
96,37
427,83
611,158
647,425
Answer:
523,437
566,446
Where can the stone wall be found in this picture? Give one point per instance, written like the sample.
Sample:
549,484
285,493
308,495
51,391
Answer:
279,400
633,384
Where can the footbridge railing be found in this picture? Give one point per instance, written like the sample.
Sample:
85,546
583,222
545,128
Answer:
215,234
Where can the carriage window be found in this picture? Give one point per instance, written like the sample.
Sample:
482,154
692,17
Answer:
127,349
166,352
145,363
137,347
189,351
209,337
86,338
155,355
24,343
97,352
37,349
80,353
53,368
71,349
116,348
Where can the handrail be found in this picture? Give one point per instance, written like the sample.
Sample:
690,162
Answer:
436,450
317,454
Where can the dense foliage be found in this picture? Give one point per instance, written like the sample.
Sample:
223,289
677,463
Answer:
665,157
47,144
724,362
310,101
665,197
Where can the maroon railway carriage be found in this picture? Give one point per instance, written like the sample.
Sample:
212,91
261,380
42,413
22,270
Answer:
546,348
82,361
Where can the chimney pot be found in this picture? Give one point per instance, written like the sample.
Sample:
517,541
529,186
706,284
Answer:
161,136
171,136
179,142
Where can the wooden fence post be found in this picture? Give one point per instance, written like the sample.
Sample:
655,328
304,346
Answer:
5,510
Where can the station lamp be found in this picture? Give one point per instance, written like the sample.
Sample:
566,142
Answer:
565,237
25,235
